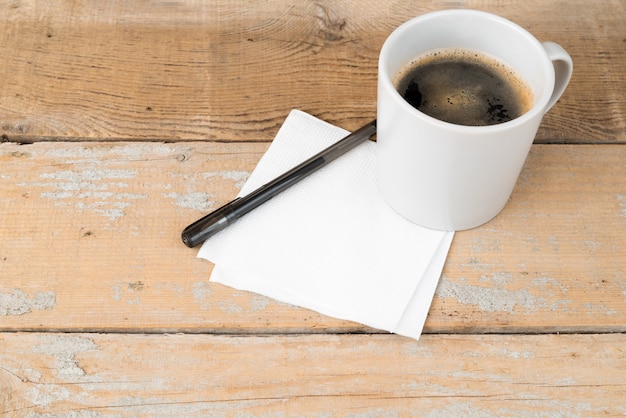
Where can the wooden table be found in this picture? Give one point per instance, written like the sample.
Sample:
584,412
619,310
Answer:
123,121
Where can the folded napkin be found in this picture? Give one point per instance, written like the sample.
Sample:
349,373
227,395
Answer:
330,243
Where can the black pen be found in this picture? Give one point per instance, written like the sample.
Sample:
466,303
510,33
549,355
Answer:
202,229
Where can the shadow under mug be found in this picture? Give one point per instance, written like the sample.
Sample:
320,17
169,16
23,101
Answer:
454,177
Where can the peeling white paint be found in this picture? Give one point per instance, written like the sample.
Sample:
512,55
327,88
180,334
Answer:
202,293
621,200
64,349
240,177
98,154
498,278
94,190
460,409
498,298
196,200
592,246
56,195
128,292
593,308
229,307
201,201
152,406
548,281
517,354
73,187
18,303
44,395
80,177
116,212
70,414
490,299
259,303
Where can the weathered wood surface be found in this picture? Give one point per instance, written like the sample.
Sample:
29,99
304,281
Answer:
91,241
92,375
144,115
192,70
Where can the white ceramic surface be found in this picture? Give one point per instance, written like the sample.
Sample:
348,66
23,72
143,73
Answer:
453,177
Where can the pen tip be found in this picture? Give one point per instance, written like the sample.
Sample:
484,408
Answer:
186,241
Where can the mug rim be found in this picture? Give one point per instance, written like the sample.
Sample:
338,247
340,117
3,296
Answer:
538,107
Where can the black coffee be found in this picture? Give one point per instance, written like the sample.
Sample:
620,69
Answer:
464,87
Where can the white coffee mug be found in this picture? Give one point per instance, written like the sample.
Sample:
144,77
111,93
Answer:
454,177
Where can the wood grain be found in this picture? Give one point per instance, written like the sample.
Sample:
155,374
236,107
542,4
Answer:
91,242
336,376
188,70
138,117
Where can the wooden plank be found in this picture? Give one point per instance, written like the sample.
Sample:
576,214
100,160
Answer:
336,376
90,241
557,249
189,70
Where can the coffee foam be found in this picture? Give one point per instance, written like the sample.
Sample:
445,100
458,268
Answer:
466,97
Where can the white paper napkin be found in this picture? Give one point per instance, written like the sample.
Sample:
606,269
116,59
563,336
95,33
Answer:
331,243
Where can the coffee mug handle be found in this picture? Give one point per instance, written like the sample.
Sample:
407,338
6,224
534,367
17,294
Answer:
563,67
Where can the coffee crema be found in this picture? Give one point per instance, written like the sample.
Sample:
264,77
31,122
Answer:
464,87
